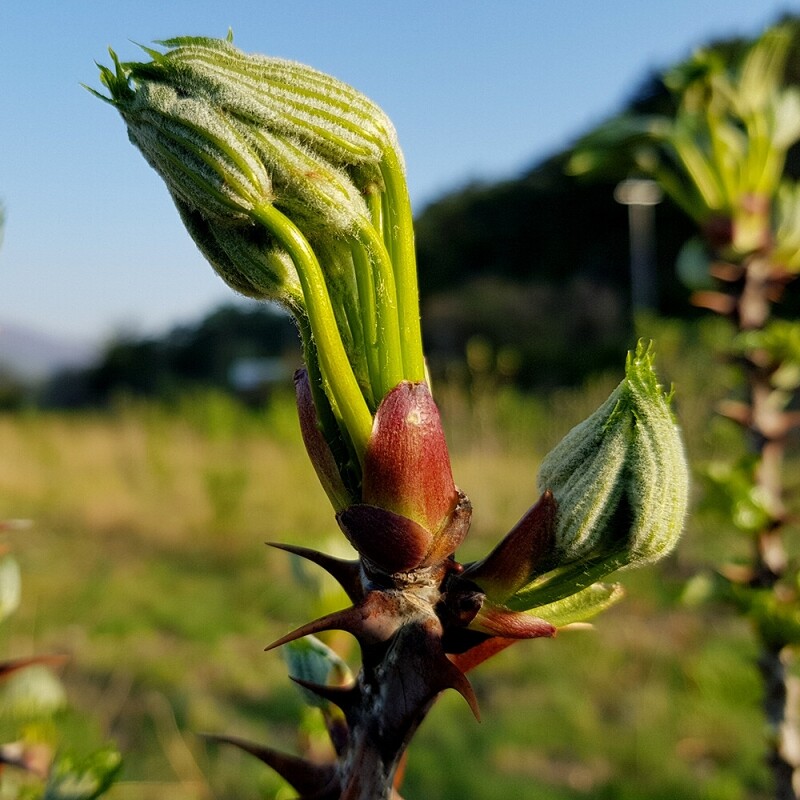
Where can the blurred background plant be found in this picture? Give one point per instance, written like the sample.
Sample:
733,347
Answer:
720,155
39,758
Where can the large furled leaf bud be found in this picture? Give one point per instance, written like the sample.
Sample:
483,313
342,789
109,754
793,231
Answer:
232,134
283,96
203,158
245,258
620,478
320,141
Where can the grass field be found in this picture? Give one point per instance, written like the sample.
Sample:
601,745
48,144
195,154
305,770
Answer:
146,563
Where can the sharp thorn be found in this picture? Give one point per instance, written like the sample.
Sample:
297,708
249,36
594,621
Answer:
345,697
348,619
456,679
347,573
308,778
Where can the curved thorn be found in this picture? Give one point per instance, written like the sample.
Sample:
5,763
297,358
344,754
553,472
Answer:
345,697
347,573
348,619
454,678
372,621
308,778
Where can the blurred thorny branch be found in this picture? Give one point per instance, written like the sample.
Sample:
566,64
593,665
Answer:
721,158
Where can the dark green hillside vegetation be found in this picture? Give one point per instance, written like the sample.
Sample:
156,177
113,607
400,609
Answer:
505,261
230,348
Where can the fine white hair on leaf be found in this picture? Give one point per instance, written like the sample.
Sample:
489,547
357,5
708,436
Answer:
314,192
202,158
283,95
620,477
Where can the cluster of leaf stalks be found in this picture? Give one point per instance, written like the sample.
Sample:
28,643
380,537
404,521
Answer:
293,187
721,158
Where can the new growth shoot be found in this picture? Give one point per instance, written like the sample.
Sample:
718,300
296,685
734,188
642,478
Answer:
293,186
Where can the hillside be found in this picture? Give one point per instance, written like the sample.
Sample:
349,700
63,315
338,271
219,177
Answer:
32,355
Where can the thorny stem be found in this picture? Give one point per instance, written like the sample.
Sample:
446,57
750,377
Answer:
404,622
770,559
780,703
376,748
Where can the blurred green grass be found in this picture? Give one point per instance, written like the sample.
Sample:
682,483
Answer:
147,564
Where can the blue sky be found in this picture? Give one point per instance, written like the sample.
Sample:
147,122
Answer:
477,90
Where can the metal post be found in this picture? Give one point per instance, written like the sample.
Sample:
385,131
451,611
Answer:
641,196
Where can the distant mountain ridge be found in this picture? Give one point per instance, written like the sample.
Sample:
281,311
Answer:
32,355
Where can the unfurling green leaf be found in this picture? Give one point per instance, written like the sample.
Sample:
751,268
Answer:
581,606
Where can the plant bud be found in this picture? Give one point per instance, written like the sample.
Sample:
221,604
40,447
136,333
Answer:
620,478
407,464
231,132
288,98
411,514
206,162
316,195
320,141
245,258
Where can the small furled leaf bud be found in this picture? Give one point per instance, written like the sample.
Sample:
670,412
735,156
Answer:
620,478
